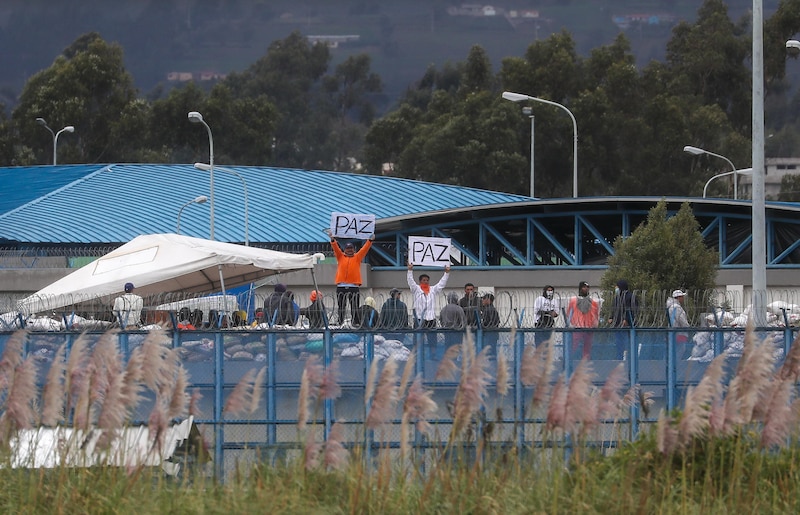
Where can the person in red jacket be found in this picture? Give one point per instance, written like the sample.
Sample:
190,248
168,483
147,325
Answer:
348,277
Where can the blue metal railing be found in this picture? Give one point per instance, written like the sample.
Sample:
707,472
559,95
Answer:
659,360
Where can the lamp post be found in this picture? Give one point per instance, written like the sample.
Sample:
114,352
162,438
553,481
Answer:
196,117
68,128
528,111
197,200
743,171
207,168
519,97
696,151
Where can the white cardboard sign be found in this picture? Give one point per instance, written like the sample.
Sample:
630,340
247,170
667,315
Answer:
427,251
352,225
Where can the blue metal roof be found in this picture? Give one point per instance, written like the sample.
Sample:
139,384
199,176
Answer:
115,203
24,184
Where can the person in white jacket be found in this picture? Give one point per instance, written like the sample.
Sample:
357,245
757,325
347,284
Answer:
677,314
425,302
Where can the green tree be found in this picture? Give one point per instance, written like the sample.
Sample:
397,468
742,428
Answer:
790,188
663,253
87,86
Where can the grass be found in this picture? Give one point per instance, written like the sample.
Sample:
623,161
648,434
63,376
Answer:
732,448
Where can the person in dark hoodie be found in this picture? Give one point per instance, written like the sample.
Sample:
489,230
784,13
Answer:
623,316
451,316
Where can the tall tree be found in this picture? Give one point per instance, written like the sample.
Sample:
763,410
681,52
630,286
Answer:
87,87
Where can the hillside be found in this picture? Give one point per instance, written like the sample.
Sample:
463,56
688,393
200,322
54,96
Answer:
403,38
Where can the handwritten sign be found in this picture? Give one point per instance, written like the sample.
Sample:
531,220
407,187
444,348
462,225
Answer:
350,225
427,251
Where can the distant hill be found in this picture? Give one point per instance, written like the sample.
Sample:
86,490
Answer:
403,37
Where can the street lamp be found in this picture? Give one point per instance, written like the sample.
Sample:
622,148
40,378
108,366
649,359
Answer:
793,43
207,168
528,111
695,151
197,200
744,171
196,117
519,97
68,128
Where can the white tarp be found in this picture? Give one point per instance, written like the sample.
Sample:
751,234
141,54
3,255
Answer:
163,263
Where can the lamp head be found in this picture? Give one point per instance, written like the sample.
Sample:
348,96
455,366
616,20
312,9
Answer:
41,121
195,117
793,44
69,128
515,97
693,150
202,166
202,199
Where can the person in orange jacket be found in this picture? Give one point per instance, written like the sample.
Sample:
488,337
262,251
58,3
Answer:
348,277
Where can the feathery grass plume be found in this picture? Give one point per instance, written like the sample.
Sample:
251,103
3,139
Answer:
132,387
762,407
780,416
447,367
329,385
113,412
408,369
258,388
12,357
711,386
630,397
666,434
755,369
335,456
156,369
646,401
83,412
471,391
791,365
419,405
369,390
157,425
22,394
609,398
501,381
540,374
716,419
581,411
238,399
76,371
179,400
467,351
311,452
302,401
316,374
194,403
385,399
557,409
53,393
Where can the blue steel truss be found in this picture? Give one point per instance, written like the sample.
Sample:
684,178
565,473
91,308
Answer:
580,233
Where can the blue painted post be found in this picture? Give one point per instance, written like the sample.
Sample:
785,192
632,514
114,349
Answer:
271,386
671,372
219,431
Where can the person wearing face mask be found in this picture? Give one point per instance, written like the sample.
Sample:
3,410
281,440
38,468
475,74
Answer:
545,309
623,315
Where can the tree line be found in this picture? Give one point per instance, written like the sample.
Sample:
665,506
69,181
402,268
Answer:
292,108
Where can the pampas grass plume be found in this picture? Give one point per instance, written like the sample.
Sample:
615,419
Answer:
238,399
502,373
258,388
335,456
447,367
53,393
386,396
580,408
329,385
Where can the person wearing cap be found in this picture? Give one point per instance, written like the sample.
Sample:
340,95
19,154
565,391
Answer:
394,313
128,308
623,316
348,277
425,302
677,314
583,312
278,307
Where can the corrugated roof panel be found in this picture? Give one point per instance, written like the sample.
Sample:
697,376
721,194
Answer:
23,184
116,203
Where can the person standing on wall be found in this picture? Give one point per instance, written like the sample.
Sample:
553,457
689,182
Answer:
348,277
471,304
545,312
583,312
128,308
425,303
623,316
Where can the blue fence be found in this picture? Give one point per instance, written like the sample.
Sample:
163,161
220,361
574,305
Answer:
662,362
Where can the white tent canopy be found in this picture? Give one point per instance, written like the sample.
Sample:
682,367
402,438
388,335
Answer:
162,263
